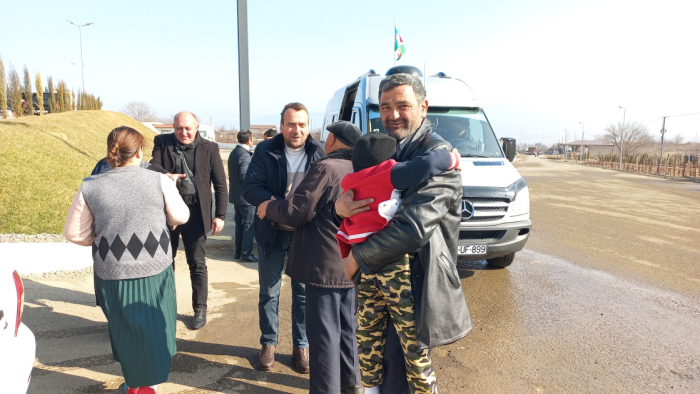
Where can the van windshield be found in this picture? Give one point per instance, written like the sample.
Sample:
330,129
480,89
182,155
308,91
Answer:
466,129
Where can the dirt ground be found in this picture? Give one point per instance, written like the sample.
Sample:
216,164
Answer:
604,299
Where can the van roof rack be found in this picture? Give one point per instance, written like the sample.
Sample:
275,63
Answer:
415,71
440,75
369,73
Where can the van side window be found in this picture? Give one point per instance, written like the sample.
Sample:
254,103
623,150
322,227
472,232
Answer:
356,119
324,133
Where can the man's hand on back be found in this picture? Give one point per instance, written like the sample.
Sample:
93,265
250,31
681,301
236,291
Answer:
459,165
217,225
346,207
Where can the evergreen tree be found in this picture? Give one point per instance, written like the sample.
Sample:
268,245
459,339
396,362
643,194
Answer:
3,91
14,92
61,96
52,97
28,101
40,94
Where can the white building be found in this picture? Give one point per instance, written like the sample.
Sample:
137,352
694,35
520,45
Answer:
151,125
205,130
163,128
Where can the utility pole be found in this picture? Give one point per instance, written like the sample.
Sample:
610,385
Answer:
661,159
566,140
82,64
243,70
622,139
583,134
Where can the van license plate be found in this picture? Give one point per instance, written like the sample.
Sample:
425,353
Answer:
471,249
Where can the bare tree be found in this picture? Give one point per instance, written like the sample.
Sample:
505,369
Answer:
3,91
636,136
28,102
14,92
40,94
139,111
677,139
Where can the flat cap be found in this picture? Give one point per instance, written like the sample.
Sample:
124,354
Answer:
345,132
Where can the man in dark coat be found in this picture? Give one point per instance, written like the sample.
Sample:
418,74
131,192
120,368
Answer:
314,259
426,227
238,162
275,171
195,164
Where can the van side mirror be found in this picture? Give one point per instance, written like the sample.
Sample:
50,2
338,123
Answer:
509,148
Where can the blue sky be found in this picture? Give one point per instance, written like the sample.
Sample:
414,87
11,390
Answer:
537,66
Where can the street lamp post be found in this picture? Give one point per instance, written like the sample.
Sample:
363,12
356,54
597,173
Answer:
661,159
82,68
583,134
622,139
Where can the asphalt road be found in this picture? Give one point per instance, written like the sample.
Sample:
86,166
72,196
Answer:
603,300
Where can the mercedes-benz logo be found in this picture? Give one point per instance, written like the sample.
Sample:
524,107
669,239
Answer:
467,209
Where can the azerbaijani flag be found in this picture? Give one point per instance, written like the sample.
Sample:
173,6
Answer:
399,49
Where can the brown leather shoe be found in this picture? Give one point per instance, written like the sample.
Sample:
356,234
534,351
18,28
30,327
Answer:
266,360
300,360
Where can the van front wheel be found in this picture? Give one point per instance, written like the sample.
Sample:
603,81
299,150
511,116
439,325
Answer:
501,262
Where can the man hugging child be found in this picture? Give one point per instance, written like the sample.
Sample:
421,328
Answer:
388,291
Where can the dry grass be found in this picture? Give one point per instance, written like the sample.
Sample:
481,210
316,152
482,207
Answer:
44,159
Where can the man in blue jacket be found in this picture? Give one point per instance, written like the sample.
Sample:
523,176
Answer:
276,169
238,162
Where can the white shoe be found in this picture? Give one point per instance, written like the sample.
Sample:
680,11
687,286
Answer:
372,390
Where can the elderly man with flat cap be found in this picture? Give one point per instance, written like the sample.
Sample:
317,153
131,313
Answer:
314,259
195,164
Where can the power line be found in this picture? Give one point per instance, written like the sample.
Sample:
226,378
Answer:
678,116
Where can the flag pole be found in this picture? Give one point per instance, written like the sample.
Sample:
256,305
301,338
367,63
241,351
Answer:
394,53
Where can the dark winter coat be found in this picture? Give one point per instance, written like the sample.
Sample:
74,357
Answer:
426,226
314,256
208,170
104,166
267,177
238,162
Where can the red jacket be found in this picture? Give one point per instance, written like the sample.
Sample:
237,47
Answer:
373,182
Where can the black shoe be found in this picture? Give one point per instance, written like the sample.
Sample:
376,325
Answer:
251,259
236,256
353,389
200,319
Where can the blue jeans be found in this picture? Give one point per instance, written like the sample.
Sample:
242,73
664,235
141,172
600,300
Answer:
270,266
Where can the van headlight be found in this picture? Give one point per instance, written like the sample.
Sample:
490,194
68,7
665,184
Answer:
521,203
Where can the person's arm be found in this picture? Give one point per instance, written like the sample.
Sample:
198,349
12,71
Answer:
230,166
300,207
243,164
255,185
78,228
421,168
156,155
420,213
176,211
218,178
